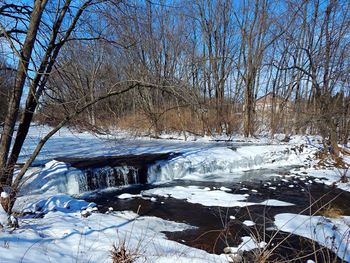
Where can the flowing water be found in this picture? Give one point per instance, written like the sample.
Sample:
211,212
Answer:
215,227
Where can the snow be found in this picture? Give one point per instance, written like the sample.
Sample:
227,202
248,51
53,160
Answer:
203,164
58,202
84,144
223,188
201,160
333,233
4,195
197,195
66,237
64,234
128,196
328,177
248,243
3,216
248,223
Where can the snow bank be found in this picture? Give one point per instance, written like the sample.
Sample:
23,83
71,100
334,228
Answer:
62,203
329,232
52,178
67,237
194,165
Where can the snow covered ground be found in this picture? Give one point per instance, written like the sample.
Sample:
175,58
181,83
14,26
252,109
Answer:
62,233
333,233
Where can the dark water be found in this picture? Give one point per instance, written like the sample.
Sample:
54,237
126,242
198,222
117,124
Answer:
215,230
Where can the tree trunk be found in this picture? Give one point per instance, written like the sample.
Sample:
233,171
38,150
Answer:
21,76
249,109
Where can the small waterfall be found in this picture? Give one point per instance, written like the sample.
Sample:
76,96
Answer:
91,179
83,175
89,174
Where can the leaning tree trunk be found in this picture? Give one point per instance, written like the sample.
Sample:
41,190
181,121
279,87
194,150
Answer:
16,95
38,85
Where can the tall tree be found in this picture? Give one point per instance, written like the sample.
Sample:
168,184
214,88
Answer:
56,22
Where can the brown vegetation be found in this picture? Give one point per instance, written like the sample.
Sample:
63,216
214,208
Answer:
120,254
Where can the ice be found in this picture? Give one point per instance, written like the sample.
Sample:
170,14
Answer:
248,223
333,233
274,202
223,188
59,177
105,177
127,196
204,161
195,165
197,195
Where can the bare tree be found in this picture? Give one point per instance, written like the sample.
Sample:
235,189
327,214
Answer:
254,24
6,80
324,63
60,21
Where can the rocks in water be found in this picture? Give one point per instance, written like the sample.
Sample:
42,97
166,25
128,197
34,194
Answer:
85,213
110,210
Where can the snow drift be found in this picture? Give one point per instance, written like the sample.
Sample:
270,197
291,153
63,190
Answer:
196,165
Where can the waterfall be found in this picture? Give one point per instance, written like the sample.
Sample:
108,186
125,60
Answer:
75,176
90,179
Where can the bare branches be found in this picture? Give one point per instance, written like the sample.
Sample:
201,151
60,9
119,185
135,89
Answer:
208,66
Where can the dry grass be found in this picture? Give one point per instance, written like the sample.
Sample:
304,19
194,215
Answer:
169,117
120,254
331,212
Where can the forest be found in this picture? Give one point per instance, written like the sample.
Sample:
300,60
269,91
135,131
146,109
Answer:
192,66
202,107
